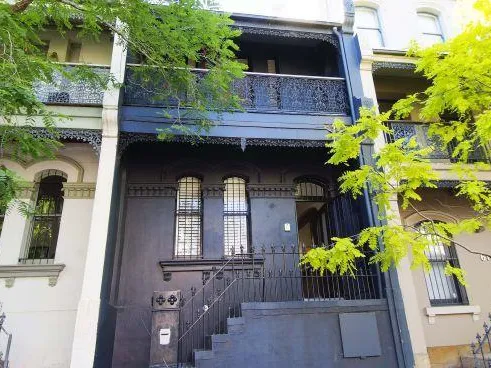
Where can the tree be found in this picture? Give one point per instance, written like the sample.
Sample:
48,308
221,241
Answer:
165,35
459,72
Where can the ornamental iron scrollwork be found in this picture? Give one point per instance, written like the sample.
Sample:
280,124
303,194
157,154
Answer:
128,138
63,91
261,93
90,136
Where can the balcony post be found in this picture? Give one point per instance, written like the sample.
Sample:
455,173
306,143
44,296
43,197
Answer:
89,307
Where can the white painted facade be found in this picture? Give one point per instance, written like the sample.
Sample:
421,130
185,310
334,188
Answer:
439,335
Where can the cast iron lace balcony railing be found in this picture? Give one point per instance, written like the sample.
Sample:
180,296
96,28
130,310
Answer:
65,92
262,92
408,129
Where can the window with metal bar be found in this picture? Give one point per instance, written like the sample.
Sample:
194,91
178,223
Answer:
442,289
45,224
235,216
430,29
368,26
309,190
188,218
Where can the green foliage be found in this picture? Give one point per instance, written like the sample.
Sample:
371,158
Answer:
457,104
166,36
339,258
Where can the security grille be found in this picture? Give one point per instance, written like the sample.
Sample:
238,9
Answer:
235,213
45,224
188,218
308,190
442,289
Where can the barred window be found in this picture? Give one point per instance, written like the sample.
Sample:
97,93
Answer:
368,26
235,216
188,218
442,289
45,224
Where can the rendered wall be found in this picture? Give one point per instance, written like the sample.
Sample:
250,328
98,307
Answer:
454,329
42,317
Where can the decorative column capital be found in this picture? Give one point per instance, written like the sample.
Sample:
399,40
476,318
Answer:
26,190
78,190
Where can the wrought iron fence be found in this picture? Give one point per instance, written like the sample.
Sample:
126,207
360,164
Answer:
64,92
5,343
259,92
268,274
481,348
409,129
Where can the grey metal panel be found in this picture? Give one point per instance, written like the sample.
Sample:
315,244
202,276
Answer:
359,335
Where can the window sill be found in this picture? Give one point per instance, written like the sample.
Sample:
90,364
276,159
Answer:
432,312
11,272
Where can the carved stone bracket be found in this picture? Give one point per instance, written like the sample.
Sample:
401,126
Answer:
78,190
90,136
151,190
349,16
11,272
271,191
213,190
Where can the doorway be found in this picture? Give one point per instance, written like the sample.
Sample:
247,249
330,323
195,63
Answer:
315,230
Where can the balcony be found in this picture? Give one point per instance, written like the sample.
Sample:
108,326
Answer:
408,129
65,92
264,93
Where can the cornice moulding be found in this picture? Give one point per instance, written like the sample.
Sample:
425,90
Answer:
11,272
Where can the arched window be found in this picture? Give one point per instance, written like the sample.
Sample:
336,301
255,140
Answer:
235,216
442,289
309,190
188,218
429,28
45,224
368,26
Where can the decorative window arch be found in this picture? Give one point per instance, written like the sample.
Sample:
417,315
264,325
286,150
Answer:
189,213
309,189
430,28
235,216
442,289
45,224
367,23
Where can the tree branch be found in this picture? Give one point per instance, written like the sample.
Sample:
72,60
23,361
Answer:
20,6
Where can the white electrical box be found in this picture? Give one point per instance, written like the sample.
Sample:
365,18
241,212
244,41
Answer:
287,226
164,334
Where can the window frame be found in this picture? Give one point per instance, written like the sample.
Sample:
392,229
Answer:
26,257
188,213
236,213
431,282
438,22
376,14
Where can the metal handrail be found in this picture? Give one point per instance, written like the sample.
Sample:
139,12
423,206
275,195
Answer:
478,350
